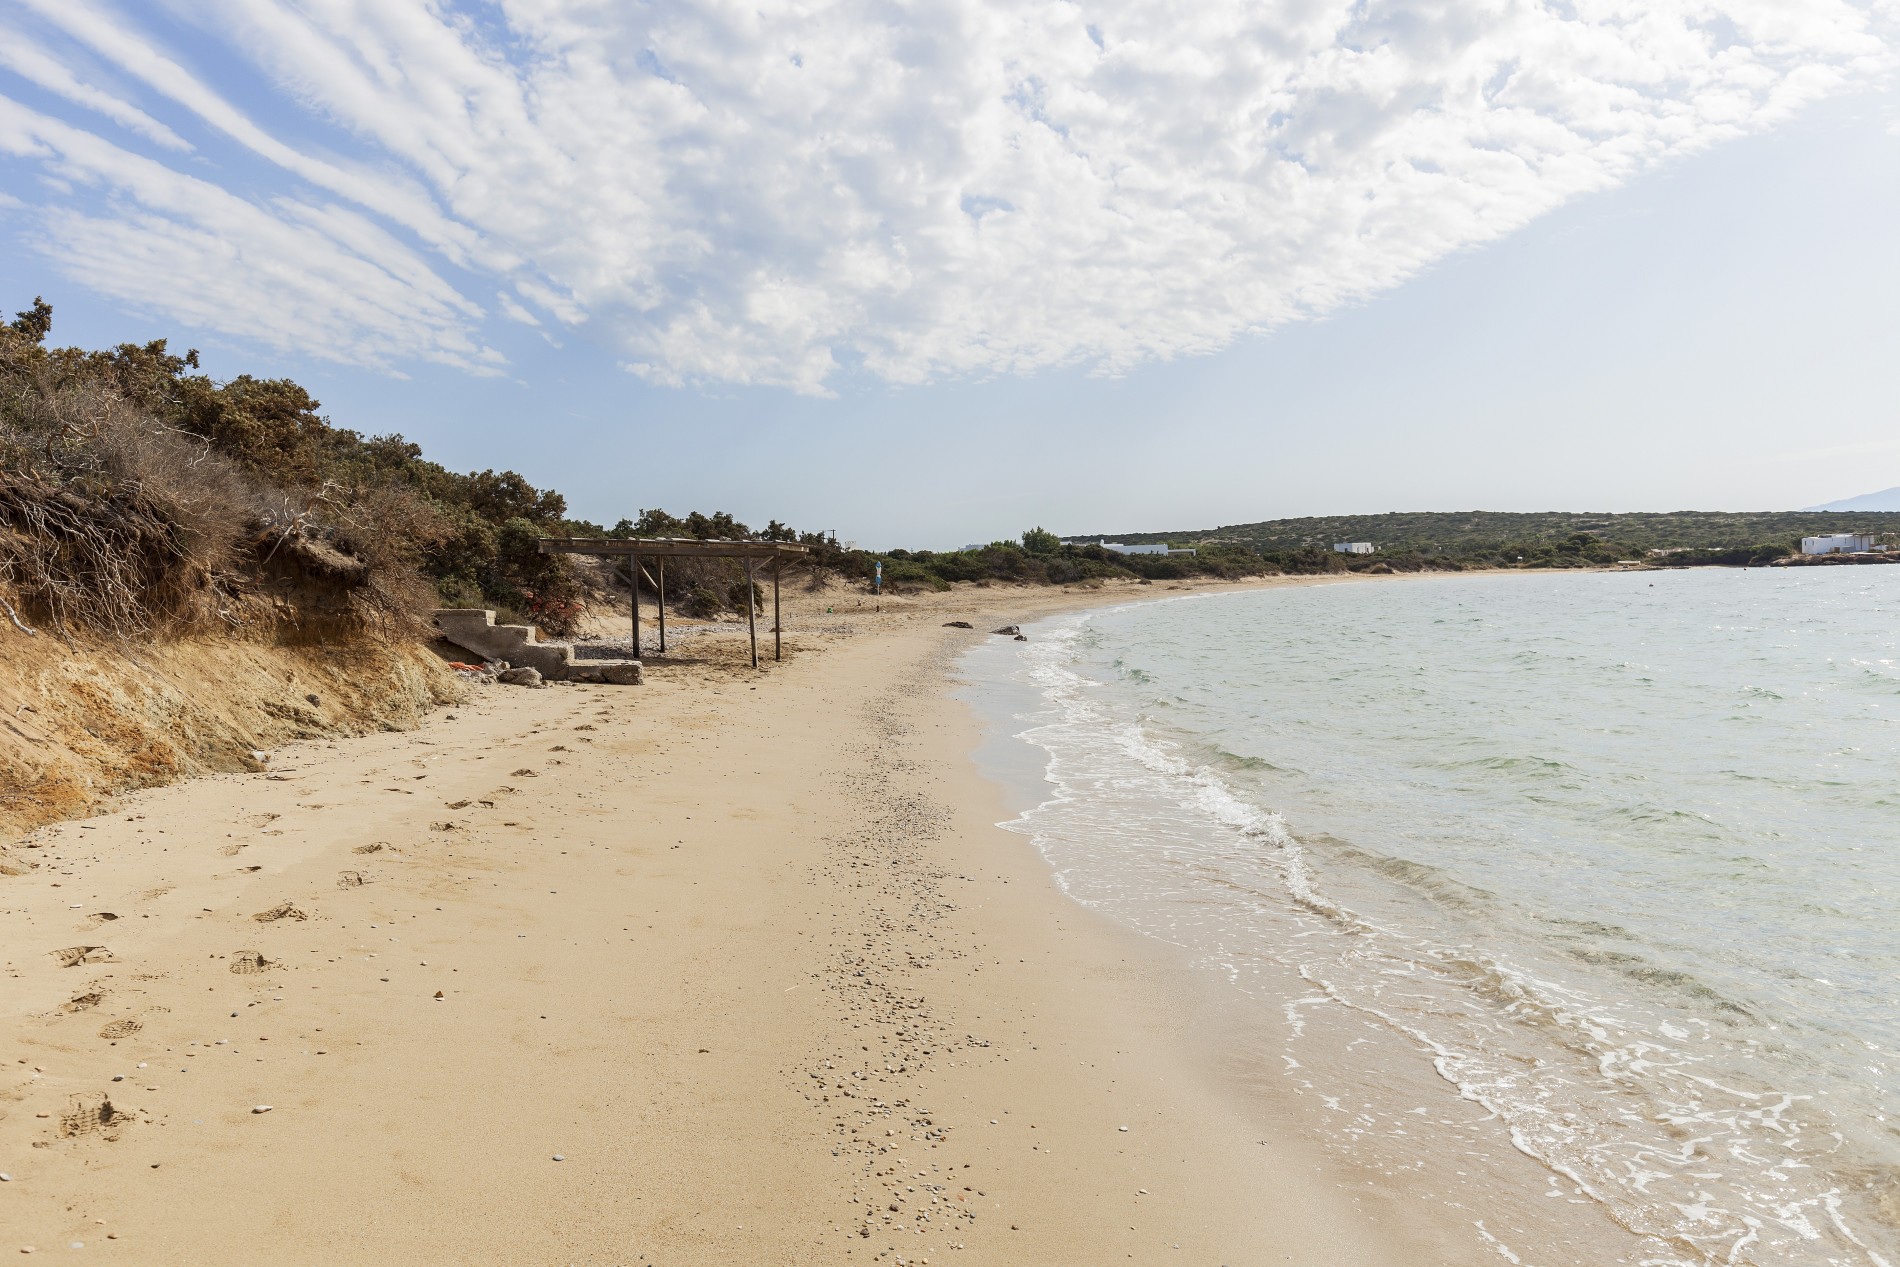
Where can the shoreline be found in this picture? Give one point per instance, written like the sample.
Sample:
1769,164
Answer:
1482,1195
1385,1111
748,953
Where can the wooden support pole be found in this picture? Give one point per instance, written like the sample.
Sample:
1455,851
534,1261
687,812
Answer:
663,604
751,613
633,579
778,627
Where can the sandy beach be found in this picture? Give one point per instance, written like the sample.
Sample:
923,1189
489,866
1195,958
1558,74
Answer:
734,967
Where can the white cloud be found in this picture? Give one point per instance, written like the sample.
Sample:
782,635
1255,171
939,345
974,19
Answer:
321,281
115,39
33,63
765,194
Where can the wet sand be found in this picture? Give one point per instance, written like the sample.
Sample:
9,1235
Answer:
728,968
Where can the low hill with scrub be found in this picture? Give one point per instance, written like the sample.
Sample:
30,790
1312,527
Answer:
1483,538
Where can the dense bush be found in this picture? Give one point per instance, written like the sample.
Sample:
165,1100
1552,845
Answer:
114,517
375,501
1041,558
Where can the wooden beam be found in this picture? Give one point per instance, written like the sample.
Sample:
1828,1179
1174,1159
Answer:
662,566
633,579
657,547
778,625
751,613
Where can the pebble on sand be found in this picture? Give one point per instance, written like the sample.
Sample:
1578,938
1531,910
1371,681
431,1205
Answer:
262,1108
560,1156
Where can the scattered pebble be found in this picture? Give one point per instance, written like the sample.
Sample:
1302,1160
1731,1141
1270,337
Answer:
262,1108
560,1156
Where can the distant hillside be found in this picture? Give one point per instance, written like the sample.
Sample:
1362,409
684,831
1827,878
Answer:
1489,534
1889,499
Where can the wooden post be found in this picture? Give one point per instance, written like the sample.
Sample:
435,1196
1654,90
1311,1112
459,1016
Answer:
778,628
633,579
663,604
751,613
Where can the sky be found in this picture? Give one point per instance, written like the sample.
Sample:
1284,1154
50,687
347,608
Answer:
929,275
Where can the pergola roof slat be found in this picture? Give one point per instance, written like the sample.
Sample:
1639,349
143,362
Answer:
672,546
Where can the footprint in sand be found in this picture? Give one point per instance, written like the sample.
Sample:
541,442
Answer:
102,917
73,956
378,847
124,1027
250,962
524,773
83,1002
350,879
91,1113
283,910
158,892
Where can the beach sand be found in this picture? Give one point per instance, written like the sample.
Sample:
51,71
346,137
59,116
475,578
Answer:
734,967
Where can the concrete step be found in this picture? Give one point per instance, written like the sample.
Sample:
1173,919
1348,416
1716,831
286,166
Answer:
474,629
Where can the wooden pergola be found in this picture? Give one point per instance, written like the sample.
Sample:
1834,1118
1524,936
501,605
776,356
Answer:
660,549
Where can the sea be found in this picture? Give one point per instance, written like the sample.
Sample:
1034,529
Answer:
1612,858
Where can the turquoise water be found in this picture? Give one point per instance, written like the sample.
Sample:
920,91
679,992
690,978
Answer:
1618,854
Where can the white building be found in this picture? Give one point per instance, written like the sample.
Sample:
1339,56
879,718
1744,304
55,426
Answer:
1352,547
1156,548
1838,543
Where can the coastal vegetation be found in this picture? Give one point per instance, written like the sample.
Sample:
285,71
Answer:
139,494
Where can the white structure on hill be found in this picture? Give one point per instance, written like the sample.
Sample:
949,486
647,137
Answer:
1353,547
1156,548
1838,543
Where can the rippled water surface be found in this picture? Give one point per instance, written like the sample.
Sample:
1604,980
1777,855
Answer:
1619,854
